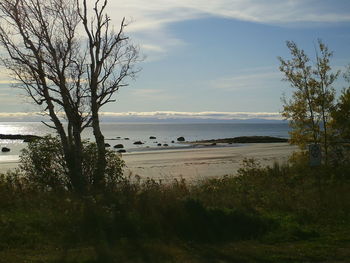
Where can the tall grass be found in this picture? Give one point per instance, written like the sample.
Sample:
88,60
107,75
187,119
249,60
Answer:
135,220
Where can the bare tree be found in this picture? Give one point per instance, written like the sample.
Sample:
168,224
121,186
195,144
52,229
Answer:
111,59
69,62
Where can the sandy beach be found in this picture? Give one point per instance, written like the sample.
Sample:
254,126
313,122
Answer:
195,163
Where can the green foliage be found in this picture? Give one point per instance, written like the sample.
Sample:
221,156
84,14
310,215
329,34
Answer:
43,164
341,125
341,116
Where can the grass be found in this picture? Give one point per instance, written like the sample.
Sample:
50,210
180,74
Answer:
283,213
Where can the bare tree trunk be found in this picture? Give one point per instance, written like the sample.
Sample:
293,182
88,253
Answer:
74,167
101,149
78,156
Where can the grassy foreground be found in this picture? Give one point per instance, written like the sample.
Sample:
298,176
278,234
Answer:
288,213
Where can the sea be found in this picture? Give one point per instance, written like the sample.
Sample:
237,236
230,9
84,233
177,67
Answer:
128,133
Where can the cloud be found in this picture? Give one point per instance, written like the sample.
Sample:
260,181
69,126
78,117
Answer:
151,94
150,19
162,115
157,13
5,76
214,115
248,79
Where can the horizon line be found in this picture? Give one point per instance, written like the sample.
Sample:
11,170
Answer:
163,115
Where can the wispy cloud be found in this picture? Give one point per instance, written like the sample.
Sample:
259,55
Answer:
157,13
151,94
151,18
4,76
248,79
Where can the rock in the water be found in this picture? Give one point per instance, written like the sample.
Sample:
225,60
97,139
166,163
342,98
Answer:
138,142
5,149
118,146
126,139
25,138
107,145
121,151
152,138
159,144
181,139
172,141
165,144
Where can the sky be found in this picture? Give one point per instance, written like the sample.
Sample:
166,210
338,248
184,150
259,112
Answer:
212,59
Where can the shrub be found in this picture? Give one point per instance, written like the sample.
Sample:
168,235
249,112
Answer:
43,164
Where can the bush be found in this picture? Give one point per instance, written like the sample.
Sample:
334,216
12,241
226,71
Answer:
43,164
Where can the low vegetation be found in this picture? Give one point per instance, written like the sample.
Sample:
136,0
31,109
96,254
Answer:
283,213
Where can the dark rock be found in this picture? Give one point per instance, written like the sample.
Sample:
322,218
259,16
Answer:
126,139
107,145
138,143
118,146
121,151
172,141
26,138
5,149
152,138
118,137
181,139
159,144
165,144
213,144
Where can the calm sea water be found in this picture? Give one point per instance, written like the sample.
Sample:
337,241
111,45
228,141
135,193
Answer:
164,132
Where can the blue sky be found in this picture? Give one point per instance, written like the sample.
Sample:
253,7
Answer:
214,58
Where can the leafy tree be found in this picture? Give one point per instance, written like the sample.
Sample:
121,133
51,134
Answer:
71,62
312,101
341,121
341,116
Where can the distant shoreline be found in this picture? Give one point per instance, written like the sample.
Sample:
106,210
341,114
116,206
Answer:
244,139
240,139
